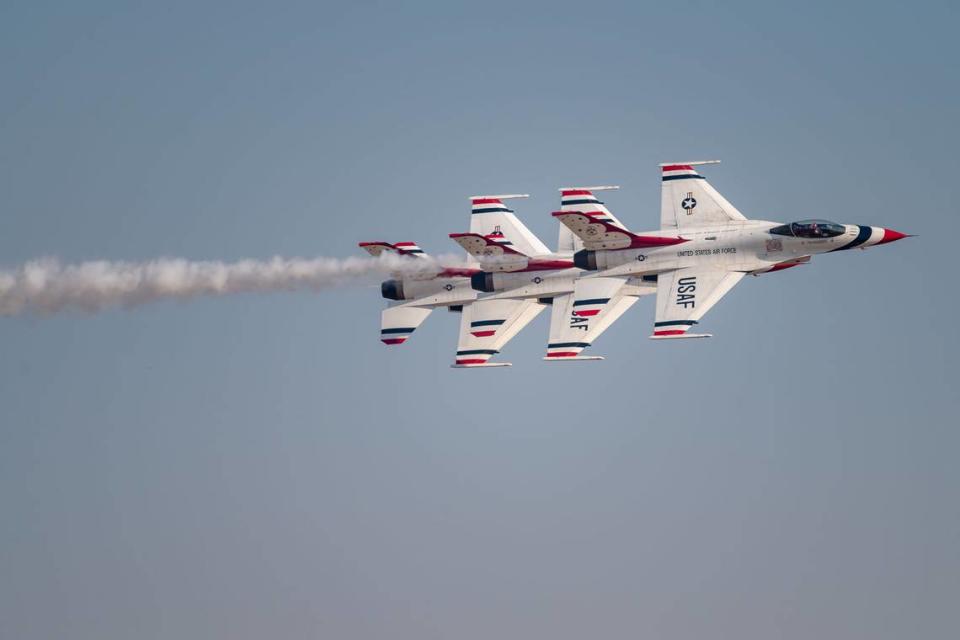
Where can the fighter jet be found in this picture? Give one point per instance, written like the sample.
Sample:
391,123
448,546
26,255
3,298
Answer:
499,241
485,325
703,248
510,272
415,293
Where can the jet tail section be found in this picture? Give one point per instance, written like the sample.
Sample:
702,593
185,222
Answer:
582,199
688,200
495,252
599,234
486,246
489,216
378,248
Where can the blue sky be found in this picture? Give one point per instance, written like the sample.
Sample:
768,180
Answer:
262,465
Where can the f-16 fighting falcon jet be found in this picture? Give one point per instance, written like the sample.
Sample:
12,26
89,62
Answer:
704,247
485,325
416,293
511,272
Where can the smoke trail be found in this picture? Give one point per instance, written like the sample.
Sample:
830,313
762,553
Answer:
46,286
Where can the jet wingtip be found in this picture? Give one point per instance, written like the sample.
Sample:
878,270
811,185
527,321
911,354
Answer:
481,365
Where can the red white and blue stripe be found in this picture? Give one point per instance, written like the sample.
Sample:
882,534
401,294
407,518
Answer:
408,249
583,201
589,307
560,350
680,172
871,236
395,335
485,328
672,327
488,205
467,357
498,237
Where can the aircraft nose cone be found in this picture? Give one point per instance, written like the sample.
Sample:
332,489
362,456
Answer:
889,235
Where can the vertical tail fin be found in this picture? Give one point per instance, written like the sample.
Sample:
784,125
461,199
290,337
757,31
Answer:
490,217
583,200
688,200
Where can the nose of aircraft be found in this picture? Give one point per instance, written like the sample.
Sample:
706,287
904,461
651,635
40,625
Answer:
889,235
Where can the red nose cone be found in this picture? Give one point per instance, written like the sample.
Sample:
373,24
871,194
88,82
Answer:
889,235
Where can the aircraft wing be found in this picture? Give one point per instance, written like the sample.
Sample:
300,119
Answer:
487,325
684,295
398,321
577,319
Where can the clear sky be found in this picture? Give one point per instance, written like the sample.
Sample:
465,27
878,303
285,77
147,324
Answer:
262,466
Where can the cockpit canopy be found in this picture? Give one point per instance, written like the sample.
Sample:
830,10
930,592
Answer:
810,229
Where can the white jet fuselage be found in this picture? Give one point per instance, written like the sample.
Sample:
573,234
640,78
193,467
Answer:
746,246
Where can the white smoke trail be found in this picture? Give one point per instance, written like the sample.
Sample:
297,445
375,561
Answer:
46,286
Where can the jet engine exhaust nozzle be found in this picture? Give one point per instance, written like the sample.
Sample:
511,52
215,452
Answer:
585,259
392,289
482,281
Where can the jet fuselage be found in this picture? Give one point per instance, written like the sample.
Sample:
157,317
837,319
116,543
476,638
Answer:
748,246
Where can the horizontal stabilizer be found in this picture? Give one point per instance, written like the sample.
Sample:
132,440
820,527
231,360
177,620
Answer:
682,336
485,246
493,250
599,234
571,358
408,249
378,248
